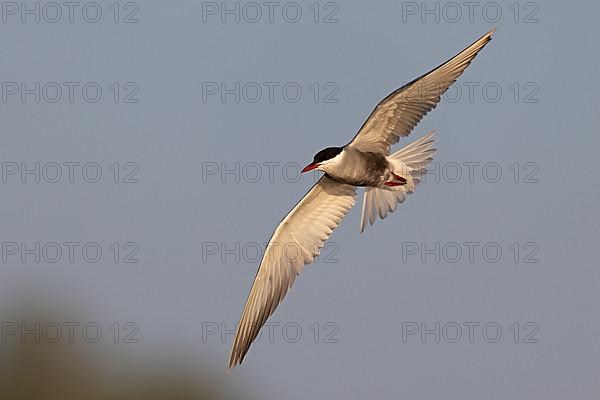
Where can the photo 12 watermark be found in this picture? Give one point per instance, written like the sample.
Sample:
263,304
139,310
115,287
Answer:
453,12
68,332
270,12
52,92
474,171
469,332
471,252
69,252
253,252
70,12
274,331
270,92
251,172
527,92
71,172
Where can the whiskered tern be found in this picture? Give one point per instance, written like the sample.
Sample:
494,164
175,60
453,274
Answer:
365,161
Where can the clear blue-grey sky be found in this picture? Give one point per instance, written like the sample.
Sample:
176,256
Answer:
209,119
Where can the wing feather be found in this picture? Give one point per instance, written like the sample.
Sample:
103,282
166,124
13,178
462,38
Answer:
296,242
397,114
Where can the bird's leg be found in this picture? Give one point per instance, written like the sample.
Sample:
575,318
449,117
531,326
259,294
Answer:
398,181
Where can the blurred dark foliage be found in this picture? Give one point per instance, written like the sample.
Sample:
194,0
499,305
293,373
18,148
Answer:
65,371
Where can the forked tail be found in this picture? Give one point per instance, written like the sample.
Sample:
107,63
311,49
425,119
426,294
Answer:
410,162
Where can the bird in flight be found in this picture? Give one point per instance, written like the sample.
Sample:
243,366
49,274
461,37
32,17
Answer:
366,161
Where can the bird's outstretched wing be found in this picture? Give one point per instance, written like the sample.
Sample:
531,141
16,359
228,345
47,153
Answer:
296,242
397,114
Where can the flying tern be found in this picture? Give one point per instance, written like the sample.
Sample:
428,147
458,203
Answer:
366,162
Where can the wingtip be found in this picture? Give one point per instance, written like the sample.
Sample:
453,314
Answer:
232,360
490,33
232,364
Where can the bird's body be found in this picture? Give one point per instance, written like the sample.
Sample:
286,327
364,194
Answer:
367,161
358,168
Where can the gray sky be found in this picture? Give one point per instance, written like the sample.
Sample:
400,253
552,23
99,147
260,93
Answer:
526,109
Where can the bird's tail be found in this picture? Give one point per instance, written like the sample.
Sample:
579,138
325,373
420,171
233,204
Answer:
409,164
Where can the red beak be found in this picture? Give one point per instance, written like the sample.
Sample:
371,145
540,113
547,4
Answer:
310,167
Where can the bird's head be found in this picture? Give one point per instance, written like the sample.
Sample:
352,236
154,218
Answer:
324,159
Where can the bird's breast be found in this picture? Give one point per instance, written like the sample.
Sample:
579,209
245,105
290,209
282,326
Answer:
359,168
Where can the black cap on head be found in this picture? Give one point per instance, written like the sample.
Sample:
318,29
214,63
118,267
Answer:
327,154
